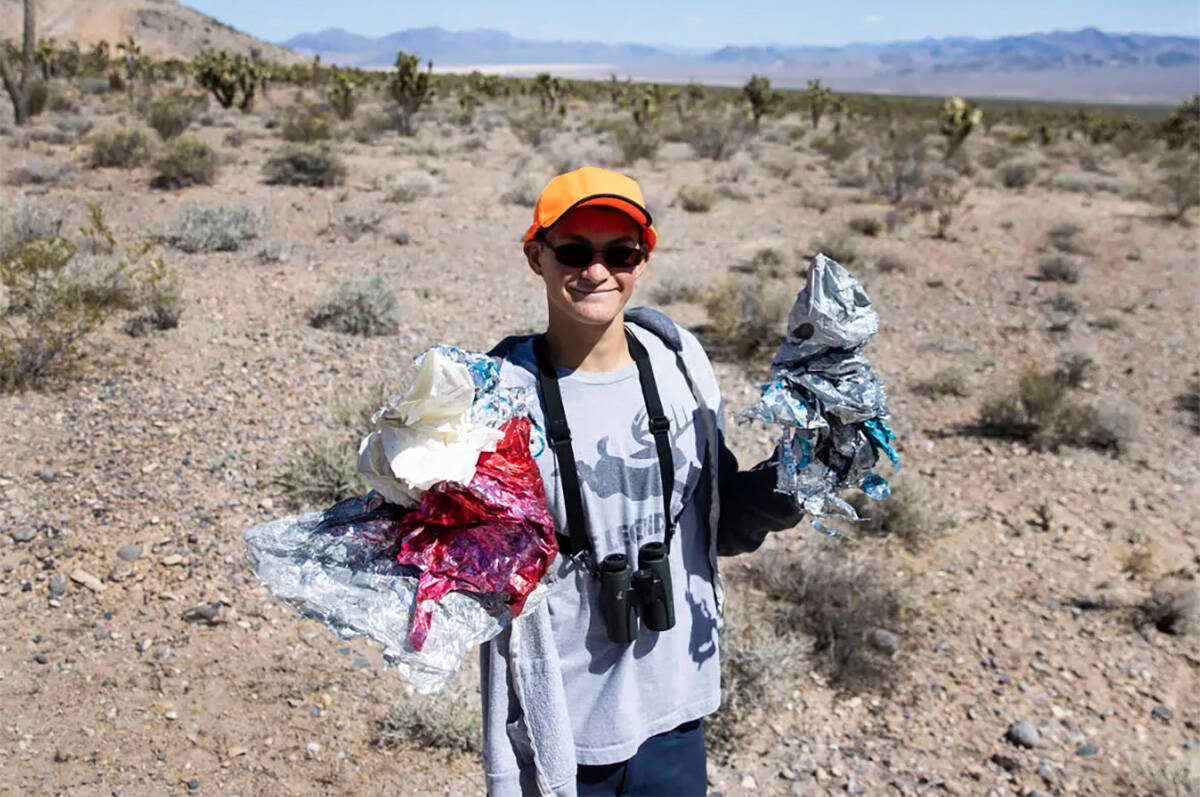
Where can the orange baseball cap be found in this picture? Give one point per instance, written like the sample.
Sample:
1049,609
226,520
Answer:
591,185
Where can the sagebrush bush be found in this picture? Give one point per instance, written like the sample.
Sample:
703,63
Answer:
837,246
906,515
1040,411
306,124
632,141
842,601
299,164
122,148
781,166
1178,190
411,186
889,263
696,198
1064,238
745,315
171,114
58,290
448,721
363,306
27,223
716,135
1059,268
184,162
212,228
43,172
323,474
950,381
1016,174
524,191
769,262
835,147
676,285
535,128
897,164
866,225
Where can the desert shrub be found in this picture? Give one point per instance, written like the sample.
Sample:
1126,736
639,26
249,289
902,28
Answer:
1016,174
46,135
447,721
745,315
865,225
1084,183
633,141
122,148
1058,268
731,191
524,191
273,252
364,306
889,263
58,290
323,474
43,172
64,99
676,285
27,223
768,262
836,147
841,601
816,201
1161,779
950,381
235,138
1075,368
1041,412
781,166
37,94
905,515
411,186
751,656
896,167
171,113
837,246
299,164
1062,303
535,128
716,135
696,198
1173,607
184,162
1178,190
212,228
1063,237
1189,401
305,124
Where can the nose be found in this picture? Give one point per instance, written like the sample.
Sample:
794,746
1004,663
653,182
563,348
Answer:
597,270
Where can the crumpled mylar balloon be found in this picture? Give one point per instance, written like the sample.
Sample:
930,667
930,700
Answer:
827,398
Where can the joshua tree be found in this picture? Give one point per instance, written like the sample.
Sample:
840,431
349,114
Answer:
226,76
548,89
18,89
762,99
409,87
957,120
819,98
343,94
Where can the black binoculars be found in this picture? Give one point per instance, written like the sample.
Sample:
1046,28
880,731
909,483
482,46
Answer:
626,594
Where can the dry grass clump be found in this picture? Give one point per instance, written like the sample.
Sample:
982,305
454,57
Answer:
745,315
835,147
837,246
865,225
1162,779
42,171
1041,412
889,264
364,306
950,381
816,201
843,602
122,148
1016,174
322,475
696,198
1064,238
769,263
1178,190
781,166
212,228
1173,607
676,285
523,191
411,186
299,164
906,514
1189,401
184,162
448,721
1059,268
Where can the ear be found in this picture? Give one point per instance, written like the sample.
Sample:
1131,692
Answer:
641,267
533,254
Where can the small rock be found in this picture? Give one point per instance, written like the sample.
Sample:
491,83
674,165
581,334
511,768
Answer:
40,658
1005,763
401,238
172,715
209,614
48,475
128,553
884,641
749,783
362,663
58,585
1024,734
1087,750
24,534
81,576
193,784
313,749
172,559
1162,712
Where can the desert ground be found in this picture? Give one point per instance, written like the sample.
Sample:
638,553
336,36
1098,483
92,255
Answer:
1053,586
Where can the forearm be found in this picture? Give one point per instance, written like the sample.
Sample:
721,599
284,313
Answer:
750,506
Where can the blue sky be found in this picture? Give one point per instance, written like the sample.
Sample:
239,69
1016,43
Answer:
711,23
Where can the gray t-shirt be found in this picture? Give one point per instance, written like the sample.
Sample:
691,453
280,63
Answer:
621,694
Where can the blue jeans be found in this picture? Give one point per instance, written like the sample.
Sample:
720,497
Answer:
671,764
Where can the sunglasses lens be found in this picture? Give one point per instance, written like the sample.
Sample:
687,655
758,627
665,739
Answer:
620,257
573,255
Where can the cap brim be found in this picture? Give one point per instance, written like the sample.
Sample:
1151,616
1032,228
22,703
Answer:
632,209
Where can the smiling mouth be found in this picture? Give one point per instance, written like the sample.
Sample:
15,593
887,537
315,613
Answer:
578,292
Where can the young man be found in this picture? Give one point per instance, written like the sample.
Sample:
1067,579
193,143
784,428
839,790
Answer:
603,688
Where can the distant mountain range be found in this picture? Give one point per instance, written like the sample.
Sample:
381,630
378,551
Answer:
1084,64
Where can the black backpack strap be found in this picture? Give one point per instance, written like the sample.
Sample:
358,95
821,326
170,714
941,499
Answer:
660,427
559,435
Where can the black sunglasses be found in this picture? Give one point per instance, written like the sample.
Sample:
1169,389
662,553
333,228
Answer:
579,255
